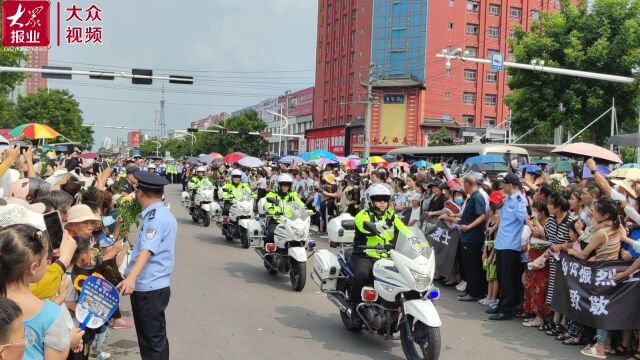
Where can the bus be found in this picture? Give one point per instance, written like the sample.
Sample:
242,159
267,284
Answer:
459,153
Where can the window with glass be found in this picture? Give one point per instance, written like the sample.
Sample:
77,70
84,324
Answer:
515,12
492,77
494,9
490,99
469,98
473,7
469,75
489,121
472,29
493,32
471,51
468,120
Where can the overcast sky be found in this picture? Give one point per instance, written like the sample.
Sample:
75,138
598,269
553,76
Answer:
235,49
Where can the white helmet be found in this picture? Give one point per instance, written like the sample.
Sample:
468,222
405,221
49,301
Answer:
378,192
285,178
200,169
236,172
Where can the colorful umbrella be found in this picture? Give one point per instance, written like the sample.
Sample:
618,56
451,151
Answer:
342,158
437,167
398,164
233,157
216,155
587,150
353,157
34,131
351,164
626,173
251,162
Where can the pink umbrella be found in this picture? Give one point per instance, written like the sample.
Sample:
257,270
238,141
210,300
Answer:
89,155
351,164
587,150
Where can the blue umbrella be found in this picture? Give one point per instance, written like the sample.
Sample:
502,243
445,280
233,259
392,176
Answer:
389,158
485,159
422,164
630,165
324,154
291,159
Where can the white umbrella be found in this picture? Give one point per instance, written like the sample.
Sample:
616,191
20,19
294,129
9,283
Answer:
251,162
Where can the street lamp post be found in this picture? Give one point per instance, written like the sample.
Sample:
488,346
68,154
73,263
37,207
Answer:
285,119
193,139
158,146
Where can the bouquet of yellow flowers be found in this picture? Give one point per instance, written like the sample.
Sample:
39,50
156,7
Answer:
129,209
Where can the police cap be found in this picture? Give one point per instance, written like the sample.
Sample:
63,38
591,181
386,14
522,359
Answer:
150,181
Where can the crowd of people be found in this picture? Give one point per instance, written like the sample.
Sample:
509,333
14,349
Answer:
512,228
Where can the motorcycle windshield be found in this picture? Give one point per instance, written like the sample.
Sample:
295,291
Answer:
244,195
207,187
295,211
412,244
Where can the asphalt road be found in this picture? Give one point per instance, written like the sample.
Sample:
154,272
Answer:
224,305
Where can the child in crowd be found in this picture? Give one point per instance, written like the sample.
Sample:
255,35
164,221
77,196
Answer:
23,260
12,336
489,252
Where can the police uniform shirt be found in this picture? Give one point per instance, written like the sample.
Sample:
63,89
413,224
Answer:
157,235
512,216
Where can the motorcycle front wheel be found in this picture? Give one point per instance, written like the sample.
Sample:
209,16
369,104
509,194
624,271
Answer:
194,215
419,341
298,275
244,239
206,218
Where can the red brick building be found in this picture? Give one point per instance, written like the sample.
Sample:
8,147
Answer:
413,93
38,57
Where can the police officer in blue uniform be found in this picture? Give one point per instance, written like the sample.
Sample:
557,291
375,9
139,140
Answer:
148,273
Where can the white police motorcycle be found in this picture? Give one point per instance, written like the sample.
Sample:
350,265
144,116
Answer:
241,222
288,252
402,295
201,207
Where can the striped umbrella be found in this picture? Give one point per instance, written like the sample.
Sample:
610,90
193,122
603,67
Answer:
34,131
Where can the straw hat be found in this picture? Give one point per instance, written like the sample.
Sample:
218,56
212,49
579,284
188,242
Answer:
80,213
626,185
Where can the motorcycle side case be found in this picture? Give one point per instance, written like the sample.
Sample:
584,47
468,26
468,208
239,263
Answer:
216,210
326,270
261,203
255,232
185,196
337,233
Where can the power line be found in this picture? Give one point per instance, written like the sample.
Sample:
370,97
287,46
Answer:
190,70
156,102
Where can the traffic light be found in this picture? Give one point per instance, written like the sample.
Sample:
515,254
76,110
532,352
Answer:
192,130
178,79
46,75
222,132
142,72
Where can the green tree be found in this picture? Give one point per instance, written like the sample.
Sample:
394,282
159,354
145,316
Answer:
442,137
605,39
57,109
249,144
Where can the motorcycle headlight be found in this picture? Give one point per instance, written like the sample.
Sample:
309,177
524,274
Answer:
422,281
298,234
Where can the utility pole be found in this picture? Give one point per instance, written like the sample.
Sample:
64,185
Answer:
367,119
613,120
162,124
286,114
